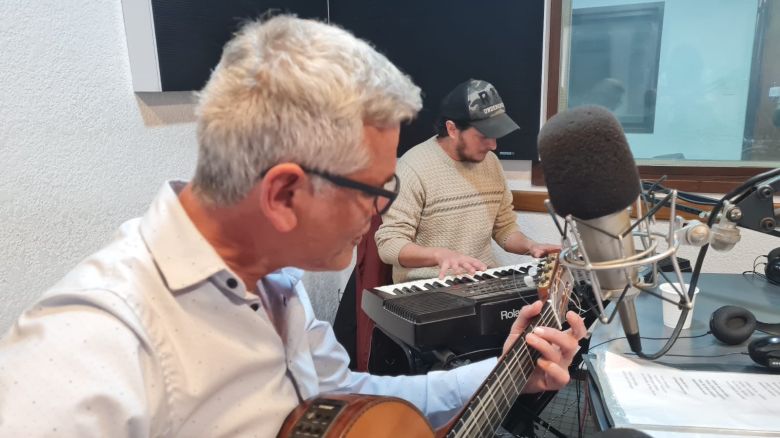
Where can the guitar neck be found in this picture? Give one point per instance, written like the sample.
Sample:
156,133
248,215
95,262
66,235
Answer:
492,401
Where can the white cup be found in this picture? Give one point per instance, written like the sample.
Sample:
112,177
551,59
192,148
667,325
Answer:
671,311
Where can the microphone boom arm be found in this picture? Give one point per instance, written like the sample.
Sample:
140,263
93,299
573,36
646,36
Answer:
755,208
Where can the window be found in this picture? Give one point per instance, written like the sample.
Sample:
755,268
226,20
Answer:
716,107
614,61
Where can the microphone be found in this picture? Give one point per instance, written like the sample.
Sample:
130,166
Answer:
591,175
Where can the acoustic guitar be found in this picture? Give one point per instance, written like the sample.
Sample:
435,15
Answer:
362,416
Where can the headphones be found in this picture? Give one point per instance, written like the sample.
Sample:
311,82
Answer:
733,325
772,268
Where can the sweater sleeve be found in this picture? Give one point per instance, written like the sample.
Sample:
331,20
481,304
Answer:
506,220
399,224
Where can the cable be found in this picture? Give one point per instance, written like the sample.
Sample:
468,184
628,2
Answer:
467,355
648,338
755,271
652,187
707,355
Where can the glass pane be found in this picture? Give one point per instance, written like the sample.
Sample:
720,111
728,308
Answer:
690,81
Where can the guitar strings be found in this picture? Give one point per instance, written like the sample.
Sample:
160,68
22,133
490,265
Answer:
500,379
510,368
558,284
491,422
519,284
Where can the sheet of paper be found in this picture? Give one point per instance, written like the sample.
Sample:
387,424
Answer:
640,392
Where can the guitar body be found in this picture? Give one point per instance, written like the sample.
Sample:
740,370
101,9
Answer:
356,416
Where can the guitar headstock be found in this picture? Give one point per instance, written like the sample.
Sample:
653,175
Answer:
553,285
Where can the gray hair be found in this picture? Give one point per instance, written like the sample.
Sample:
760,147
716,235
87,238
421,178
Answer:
293,90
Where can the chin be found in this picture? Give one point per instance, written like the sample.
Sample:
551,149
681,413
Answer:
342,261
477,159
335,262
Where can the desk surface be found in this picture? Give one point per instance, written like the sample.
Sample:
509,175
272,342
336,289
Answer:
716,290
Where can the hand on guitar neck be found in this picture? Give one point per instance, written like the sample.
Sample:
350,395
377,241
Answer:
542,367
557,348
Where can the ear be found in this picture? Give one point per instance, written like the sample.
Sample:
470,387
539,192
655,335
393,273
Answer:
281,190
452,130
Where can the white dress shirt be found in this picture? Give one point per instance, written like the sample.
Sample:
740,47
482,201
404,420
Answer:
155,336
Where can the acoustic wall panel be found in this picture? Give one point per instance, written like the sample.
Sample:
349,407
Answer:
441,43
174,44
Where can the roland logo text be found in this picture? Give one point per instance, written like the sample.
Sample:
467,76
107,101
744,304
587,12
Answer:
509,314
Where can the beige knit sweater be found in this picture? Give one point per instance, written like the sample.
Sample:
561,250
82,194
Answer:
446,203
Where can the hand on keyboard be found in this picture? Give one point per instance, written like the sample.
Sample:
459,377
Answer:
451,262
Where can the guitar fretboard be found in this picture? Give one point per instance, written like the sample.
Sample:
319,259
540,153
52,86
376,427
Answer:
495,397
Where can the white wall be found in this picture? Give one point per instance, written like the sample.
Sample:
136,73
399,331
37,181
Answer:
81,152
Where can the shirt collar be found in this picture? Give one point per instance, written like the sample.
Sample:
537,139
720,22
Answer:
183,256
282,281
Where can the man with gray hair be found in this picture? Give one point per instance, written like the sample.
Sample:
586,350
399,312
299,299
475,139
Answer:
192,322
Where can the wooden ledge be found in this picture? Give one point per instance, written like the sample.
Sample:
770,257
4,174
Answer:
533,201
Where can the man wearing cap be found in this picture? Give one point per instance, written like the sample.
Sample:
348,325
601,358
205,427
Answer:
454,197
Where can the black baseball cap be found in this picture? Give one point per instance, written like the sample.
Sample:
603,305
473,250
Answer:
478,103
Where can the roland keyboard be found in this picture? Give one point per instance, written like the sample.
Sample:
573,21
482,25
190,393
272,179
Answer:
433,313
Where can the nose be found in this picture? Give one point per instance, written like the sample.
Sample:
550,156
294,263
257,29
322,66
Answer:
491,143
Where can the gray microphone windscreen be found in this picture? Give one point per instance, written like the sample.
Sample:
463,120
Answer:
588,167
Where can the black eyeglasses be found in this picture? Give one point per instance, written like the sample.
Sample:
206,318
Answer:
383,198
